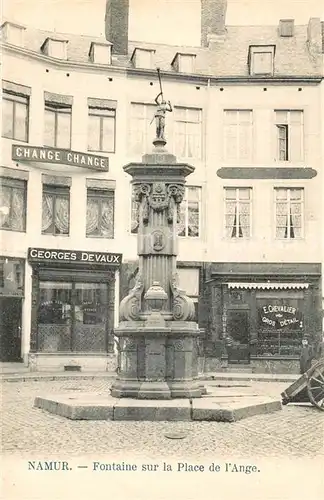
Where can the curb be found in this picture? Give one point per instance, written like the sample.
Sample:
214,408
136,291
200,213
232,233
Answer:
249,377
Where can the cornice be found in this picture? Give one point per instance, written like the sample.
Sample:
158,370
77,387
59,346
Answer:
197,79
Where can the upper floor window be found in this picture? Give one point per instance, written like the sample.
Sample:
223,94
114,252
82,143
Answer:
56,210
142,130
289,212
289,135
100,213
13,204
57,130
184,63
13,33
101,125
190,210
188,132
238,135
143,58
261,60
238,202
100,53
55,48
15,111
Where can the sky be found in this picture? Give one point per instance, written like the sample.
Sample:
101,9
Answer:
153,20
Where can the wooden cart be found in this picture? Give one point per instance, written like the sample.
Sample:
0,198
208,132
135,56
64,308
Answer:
308,388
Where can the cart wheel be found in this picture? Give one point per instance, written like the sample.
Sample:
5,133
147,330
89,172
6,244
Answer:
315,385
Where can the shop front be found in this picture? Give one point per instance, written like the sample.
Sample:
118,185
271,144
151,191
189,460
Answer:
261,313
73,309
11,298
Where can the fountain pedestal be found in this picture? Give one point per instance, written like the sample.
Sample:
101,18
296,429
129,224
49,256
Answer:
157,337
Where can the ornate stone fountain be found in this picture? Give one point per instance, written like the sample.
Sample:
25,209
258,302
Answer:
157,334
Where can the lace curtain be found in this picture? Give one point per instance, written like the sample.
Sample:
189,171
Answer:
60,218
100,217
288,220
12,215
237,220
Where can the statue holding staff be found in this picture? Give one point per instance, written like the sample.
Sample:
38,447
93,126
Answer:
160,112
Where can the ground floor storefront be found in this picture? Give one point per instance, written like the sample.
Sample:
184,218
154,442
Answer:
67,300
58,311
260,315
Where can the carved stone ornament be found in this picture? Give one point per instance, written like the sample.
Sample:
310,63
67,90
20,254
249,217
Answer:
183,306
130,306
159,197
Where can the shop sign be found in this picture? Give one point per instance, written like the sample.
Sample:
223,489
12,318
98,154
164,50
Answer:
280,316
73,256
59,157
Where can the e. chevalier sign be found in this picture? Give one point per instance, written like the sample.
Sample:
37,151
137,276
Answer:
59,156
73,256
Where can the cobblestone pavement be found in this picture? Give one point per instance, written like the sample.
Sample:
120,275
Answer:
294,431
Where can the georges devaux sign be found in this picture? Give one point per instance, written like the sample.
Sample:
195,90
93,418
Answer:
73,256
280,316
59,156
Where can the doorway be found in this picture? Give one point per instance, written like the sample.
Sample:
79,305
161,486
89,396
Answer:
10,329
238,329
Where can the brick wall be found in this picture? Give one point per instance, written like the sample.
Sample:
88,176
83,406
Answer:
213,14
116,25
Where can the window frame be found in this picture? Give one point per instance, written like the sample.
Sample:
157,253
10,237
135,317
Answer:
186,200
22,99
302,213
261,49
54,191
101,195
147,119
187,121
237,124
288,125
100,114
237,205
56,109
15,184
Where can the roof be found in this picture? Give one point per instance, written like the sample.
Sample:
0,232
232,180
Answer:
227,57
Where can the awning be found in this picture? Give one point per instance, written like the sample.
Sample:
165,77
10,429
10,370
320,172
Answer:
269,286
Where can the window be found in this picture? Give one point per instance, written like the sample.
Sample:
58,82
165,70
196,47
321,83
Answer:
261,59
188,280
289,212
100,53
15,110
238,134
72,316
55,48
100,213
184,63
142,128
289,135
56,210
13,204
188,132
57,132
190,208
143,58
238,212
101,129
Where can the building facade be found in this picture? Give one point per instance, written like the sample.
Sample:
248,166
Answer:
246,114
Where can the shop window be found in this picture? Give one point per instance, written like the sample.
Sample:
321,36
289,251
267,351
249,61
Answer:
289,206
142,131
56,210
289,135
101,129
15,113
238,135
57,130
280,326
188,132
13,204
238,208
190,210
100,213
72,317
